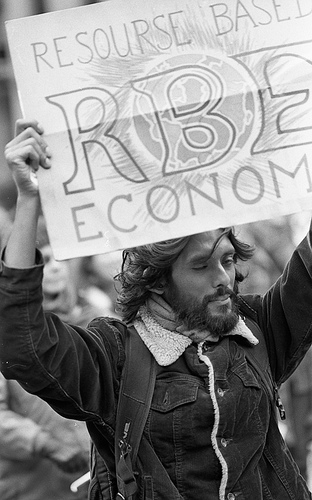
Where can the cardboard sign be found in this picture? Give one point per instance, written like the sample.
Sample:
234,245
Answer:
167,118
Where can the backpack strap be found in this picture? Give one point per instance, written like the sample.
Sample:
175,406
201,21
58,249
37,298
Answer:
135,397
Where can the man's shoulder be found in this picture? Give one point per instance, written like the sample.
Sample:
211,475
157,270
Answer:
109,327
108,322
250,305
111,334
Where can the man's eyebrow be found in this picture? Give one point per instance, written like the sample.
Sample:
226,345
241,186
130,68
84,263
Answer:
200,257
204,256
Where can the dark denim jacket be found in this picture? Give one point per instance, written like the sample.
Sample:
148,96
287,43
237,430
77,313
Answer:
212,425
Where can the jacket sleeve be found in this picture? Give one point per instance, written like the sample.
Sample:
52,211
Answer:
285,312
74,369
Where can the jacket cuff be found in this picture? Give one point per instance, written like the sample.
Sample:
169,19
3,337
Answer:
22,277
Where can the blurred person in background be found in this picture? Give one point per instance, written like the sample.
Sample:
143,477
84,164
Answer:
42,453
68,287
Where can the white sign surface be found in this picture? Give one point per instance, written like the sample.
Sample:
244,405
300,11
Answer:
167,118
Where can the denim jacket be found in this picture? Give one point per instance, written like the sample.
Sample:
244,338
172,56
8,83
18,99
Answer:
211,424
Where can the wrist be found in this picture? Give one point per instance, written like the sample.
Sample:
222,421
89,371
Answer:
23,233
28,199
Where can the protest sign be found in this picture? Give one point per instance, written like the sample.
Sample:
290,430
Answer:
167,118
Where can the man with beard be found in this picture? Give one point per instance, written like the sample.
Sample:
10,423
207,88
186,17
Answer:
212,424
202,297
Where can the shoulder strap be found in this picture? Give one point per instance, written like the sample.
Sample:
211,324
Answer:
135,396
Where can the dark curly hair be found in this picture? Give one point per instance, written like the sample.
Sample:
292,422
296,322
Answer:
147,266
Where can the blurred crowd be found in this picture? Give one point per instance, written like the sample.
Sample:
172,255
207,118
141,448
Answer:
41,453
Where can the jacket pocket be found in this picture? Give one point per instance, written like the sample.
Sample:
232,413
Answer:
251,404
246,375
169,395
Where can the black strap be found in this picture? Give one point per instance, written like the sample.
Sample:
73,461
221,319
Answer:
135,396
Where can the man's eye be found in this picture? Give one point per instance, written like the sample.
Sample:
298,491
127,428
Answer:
231,259
199,268
228,262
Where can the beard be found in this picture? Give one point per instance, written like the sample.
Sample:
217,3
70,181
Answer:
195,314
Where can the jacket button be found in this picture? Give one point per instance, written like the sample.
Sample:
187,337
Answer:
220,392
231,496
224,443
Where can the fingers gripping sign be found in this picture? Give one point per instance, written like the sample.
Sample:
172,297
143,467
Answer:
26,153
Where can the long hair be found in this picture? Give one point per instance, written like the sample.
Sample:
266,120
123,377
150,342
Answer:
147,266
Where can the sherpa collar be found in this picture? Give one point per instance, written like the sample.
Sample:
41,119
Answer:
167,345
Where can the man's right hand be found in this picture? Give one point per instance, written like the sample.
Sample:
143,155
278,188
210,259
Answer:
25,154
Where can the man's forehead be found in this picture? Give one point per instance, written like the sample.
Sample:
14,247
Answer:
203,244
207,238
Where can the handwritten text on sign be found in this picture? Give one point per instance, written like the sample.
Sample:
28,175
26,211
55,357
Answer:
171,122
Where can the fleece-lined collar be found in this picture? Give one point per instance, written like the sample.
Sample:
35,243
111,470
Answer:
168,345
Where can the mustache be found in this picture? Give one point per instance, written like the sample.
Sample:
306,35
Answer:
220,292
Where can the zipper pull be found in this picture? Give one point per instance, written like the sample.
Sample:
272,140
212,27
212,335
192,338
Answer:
279,404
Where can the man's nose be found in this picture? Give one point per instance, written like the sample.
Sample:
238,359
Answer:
220,277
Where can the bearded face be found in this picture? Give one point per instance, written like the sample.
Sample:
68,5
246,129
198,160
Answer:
217,312
202,283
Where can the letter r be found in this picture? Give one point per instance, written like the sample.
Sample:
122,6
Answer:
83,135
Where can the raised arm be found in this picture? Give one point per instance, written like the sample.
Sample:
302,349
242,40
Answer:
25,154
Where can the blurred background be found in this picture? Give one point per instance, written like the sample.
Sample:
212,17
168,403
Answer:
274,239
9,106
